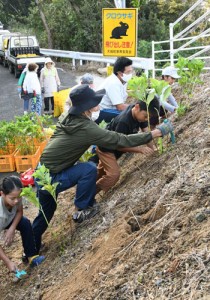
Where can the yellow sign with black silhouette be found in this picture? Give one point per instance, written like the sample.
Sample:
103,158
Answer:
119,32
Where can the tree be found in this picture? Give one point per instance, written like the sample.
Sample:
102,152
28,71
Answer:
43,18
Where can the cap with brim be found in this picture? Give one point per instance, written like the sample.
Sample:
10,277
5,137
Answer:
84,98
87,78
170,71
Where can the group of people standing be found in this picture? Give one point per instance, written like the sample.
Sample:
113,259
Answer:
76,131
31,88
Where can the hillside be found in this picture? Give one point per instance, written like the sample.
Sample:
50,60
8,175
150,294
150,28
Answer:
151,239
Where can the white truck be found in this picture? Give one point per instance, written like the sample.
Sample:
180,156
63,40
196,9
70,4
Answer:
21,50
4,36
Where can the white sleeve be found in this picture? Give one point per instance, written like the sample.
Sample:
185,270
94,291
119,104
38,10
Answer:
25,83
115,94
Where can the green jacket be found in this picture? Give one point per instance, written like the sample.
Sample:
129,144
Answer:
75,134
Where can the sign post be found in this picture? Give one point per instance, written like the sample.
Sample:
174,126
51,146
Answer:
120,32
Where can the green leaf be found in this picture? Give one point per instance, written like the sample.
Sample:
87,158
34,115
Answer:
30,195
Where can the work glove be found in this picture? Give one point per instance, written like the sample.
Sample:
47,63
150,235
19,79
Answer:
166,127
43,90
58,88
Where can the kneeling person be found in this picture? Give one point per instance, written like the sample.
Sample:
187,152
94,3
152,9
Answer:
74,134
130,121
11,219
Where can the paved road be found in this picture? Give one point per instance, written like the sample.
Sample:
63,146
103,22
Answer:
10,103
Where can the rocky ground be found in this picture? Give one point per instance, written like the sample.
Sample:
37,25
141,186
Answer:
151,240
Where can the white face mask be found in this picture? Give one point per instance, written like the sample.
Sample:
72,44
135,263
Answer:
126,77
95,115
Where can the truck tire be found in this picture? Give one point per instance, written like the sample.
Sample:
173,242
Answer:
11,68
17,73
5,63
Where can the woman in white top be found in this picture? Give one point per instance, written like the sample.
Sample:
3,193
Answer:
50,83
32,88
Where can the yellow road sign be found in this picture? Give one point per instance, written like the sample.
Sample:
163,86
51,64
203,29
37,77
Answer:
119,32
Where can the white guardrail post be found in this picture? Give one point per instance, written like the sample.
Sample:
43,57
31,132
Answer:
171,32
153,58
142,63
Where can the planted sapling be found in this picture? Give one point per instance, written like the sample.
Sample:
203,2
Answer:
190,71
45,180
30,195
143,89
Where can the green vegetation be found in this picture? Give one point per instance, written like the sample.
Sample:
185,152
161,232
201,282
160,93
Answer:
67,24
190,71
142,88
30,195
42,174
23,133
181,110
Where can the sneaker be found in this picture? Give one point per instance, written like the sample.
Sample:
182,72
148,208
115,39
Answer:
36,260
85,214
24,258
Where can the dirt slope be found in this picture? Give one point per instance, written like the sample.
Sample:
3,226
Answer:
151,240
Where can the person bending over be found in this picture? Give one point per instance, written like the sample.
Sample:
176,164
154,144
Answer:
74,134
128,122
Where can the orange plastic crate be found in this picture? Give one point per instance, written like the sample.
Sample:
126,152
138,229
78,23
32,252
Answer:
7,162
42,145
25,162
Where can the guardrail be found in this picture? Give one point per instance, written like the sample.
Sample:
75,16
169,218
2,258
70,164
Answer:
142,63
202,40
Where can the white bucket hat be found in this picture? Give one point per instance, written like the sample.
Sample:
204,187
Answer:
48,60
170,71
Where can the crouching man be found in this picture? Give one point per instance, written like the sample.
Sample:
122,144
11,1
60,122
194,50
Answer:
74,134
130,121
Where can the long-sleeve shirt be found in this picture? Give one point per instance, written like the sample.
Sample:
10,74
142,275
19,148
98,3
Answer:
75,134
31,83
170,104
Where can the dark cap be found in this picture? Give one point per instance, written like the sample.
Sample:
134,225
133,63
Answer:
84,98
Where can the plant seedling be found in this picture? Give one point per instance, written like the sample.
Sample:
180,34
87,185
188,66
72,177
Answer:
30,195
190,71
45,180
86,156
181,110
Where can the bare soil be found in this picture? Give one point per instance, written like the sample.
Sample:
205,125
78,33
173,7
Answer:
151,239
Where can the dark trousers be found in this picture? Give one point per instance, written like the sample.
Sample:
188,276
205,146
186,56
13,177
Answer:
26,232
107,116
47,101
81,174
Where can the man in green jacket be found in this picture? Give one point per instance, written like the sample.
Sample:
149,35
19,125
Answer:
74,134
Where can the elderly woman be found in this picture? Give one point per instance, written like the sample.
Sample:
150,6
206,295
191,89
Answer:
50,83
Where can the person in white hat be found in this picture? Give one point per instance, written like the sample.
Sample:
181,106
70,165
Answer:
169,74
50,83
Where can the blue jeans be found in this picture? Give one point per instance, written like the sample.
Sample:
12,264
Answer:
26,232
81,174
36,104
26,104
107,115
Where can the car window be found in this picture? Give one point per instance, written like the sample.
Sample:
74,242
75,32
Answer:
23,42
